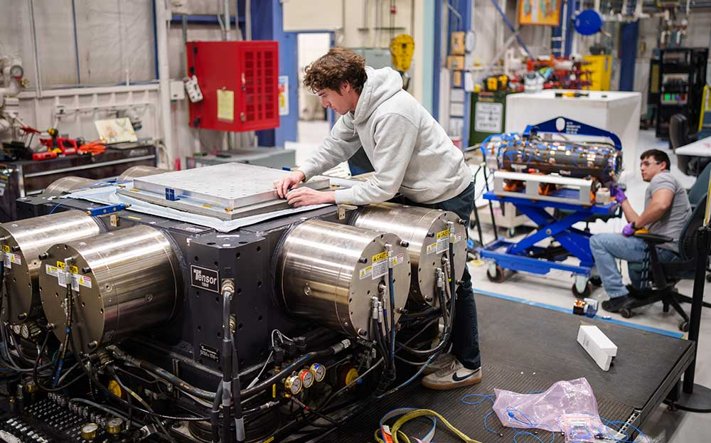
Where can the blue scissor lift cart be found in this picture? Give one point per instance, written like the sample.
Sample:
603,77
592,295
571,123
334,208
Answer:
556,184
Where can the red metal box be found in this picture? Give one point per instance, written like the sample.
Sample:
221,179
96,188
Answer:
239,84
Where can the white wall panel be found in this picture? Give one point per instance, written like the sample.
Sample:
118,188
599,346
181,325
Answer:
307,15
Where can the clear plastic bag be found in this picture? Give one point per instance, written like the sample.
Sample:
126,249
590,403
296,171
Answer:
545,410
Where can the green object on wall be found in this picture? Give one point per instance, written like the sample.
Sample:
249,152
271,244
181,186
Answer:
488,115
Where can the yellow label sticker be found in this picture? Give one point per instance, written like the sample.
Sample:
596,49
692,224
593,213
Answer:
61,265
5,248
380,257
443,234
73,269
396,260
365,272
83,280
51,270
225,105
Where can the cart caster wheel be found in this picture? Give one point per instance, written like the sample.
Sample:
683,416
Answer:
684,326
596,281
496,275
626,313
587,290
511,232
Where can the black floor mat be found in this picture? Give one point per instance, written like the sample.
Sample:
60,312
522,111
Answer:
526,349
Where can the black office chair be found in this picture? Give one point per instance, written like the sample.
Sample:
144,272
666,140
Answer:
679,132
700,187
665,275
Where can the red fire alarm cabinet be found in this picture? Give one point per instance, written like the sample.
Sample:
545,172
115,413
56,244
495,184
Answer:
236,85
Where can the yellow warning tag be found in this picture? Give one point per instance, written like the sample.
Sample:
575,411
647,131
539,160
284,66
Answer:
61,265
5,248
73,269
443,234
380,257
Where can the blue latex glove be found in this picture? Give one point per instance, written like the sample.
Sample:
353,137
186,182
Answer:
628,230
619,195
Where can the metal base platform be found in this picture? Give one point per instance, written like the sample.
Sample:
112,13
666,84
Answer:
526,349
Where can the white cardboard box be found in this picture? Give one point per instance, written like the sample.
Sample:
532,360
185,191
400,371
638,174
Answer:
600,348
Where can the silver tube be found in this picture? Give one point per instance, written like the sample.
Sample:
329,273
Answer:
33,30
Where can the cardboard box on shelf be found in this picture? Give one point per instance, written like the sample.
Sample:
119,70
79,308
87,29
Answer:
455,62
456,43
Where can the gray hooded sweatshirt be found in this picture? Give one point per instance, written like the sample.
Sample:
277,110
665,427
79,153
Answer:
408,149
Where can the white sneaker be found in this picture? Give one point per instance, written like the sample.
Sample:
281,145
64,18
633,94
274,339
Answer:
452,377
439,363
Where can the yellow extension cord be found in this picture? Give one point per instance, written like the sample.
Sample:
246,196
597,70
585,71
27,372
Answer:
396,433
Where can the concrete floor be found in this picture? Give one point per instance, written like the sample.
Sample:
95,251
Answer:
555,289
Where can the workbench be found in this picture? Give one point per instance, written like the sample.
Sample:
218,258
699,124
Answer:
24,178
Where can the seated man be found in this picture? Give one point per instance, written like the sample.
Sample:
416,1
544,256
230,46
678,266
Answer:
666,210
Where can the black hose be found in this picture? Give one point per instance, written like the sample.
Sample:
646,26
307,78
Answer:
162,373
215,414
131,393
448,327
391,293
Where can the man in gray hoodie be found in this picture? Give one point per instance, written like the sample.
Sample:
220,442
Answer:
411,155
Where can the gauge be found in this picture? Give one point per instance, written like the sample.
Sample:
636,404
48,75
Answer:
319,371
307,378
16,71
293,384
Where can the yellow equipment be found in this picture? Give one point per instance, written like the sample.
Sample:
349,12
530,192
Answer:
600,67
402,47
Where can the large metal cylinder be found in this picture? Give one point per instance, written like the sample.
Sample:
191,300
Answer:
22,243
328,272
135,172
122,281
68,184
427,232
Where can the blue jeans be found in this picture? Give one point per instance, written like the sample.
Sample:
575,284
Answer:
608,247
465,336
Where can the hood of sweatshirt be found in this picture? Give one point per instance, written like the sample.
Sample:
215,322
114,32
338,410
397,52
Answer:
381,85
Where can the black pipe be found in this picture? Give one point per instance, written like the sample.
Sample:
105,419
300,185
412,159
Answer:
215,414
266,384
446,335
161,373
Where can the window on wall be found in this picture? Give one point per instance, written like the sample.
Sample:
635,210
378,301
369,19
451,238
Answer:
81,42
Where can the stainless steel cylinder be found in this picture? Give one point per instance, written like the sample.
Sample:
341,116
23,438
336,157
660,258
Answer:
139,171
121,281
329,272
66,185
428,233
22,243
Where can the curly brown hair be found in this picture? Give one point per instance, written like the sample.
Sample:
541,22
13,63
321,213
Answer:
337,67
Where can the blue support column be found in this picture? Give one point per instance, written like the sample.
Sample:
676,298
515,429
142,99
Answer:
267,24
628,54
569,29
461,23
557,46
